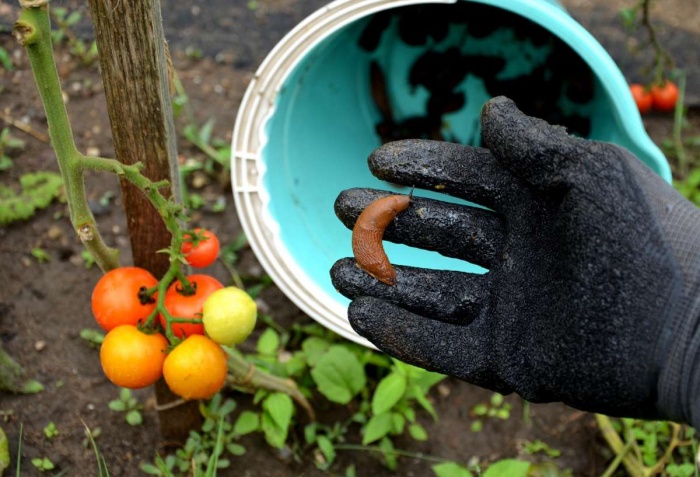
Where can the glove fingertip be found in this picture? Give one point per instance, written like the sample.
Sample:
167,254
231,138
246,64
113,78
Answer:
363,318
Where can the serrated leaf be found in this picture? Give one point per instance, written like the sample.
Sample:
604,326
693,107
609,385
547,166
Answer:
246,423
38,190
339,375
377,427
389,391
508,468
450,469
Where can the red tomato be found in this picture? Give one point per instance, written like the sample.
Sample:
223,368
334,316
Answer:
116,301
664,97
205,252
189,306
642,97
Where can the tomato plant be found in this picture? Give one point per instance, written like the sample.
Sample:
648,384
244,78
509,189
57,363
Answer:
131,358
196,368
201,251
229,316
182,305
118,297
642,97
665,96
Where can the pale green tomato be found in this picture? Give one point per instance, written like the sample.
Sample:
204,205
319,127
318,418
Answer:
229,316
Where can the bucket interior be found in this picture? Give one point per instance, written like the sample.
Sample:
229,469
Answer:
414,71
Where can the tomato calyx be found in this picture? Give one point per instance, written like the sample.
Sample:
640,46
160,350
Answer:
186,288
146,295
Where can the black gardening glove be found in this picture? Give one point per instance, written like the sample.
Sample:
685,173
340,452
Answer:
593,292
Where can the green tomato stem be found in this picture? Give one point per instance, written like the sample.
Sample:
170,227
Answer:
33,30
244,375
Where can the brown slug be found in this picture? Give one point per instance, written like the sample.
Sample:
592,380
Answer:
368,233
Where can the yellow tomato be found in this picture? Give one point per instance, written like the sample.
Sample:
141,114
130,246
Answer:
229,316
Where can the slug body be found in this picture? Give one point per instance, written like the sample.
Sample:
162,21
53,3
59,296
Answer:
368,233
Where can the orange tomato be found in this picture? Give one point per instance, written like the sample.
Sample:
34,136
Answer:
642,97
131,358
116,301
664,97
189,306
196,368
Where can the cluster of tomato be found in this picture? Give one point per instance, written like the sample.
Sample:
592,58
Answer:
661,98
203,317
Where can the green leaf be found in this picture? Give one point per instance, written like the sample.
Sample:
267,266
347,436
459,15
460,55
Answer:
423,401
310,433
377,427
6,61
476,426
683,470
508,468
117,405
134,418
4,452
38,190
276,418
418,432
496,399
93,337
339,375
399,422
390,459
236,449
389,391
41,255
450,469
204,135
314,348
268,343
246,423
279,406
327,448
31,386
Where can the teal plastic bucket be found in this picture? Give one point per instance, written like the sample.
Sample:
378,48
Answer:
314,112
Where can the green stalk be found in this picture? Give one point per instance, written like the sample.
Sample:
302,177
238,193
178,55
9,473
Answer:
633,467
33,30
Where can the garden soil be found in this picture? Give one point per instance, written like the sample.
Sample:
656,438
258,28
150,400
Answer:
44,306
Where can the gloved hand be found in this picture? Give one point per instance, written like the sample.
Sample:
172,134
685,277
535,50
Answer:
592,296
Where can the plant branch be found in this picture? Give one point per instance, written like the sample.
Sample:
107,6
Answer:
634,468
33,30
243,374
